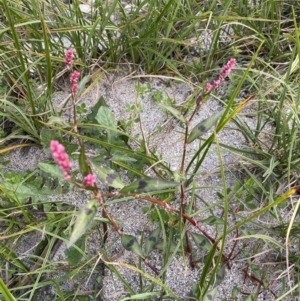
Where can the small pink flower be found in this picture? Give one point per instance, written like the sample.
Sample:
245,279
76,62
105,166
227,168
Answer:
69,54
74,77
74,81
74,89
61,158
226,70
208,87
89,180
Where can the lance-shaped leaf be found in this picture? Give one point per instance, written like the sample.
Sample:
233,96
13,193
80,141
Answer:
160,246
148,185
220,274
52,169
81,85
213,220
202,127
152,240
177,114
130,243
201,241
83,222
82,163
107,176
73,254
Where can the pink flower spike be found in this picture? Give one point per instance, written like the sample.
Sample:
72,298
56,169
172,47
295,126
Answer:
226,70
74,81
61,158
208,87
89,180
74,88
74,77
69,57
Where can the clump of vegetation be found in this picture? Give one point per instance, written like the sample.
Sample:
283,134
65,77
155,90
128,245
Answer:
253,55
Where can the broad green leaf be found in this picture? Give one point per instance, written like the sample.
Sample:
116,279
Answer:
130,243
82,162
107,176
201,241
177,114
213,220
25,191
83,222
202,127
52,169
92,116
73,254
105,117
148,185
5,292
152,240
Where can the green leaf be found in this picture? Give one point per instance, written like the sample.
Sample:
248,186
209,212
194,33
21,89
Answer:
105,117
46,136
235,291
53,120
82,162
83,222
52,169
210,296
41,246
160,246
81,85
152,240
107,176
213,220
26,191
148,185
203,127
177,114
5,292
119,157
201,241
142,296
73,254
220,274
130,243
92,116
